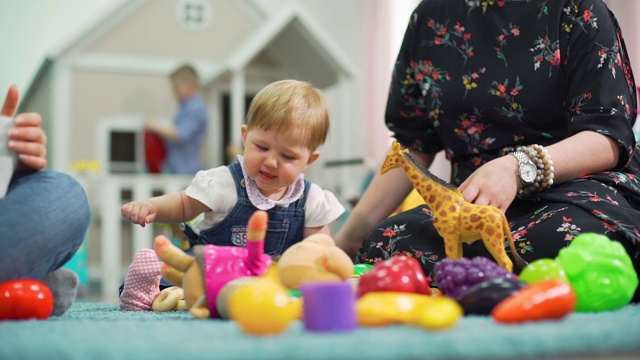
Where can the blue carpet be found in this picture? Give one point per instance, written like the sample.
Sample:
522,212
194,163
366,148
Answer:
102,331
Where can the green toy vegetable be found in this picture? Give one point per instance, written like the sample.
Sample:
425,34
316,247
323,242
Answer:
600,271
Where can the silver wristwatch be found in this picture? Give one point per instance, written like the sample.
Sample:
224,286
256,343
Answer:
527,170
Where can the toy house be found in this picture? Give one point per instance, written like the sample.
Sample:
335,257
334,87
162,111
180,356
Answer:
96,90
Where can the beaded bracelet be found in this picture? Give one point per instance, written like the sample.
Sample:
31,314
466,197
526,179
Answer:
546,164
541,158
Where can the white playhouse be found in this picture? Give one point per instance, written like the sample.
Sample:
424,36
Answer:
96,90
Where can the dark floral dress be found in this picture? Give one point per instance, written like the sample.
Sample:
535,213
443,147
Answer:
476,78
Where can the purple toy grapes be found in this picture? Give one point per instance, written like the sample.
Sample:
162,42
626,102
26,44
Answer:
455,277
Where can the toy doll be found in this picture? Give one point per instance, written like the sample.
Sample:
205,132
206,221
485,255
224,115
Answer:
203,275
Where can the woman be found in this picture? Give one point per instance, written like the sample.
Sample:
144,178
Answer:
482,79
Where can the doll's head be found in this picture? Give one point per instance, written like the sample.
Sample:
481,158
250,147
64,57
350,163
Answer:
314,259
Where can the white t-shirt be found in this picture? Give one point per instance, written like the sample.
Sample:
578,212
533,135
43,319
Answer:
216,189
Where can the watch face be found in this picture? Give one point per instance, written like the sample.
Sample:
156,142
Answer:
528,173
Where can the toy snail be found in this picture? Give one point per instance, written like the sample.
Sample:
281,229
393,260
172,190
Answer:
205,274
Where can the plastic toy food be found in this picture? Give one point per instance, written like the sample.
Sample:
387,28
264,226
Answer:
481,298
455,277
361,269
600,271
456,220
400,274
548,299
543,269
386,308
262,307
438,313
25,299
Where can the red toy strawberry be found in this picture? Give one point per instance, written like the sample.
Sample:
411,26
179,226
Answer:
547,299
25,299
401,273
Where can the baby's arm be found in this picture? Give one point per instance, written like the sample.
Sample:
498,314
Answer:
316,230
169,208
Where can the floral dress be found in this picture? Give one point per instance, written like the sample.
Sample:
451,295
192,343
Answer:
476,78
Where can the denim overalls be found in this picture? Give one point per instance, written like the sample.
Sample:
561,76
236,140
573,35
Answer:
285,228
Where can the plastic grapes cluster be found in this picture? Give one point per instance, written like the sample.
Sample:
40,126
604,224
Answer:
455,277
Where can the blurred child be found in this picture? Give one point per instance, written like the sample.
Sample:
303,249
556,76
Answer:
184,138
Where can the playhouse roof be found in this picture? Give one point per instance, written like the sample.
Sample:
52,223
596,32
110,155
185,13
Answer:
285,42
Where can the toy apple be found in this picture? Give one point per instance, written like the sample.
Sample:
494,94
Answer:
25,299
543,269
400,274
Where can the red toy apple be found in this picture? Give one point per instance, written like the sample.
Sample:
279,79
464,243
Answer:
25,299
401,273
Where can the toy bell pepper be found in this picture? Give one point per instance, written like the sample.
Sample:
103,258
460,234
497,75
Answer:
548,299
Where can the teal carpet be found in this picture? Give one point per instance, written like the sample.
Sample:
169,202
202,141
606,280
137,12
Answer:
102,331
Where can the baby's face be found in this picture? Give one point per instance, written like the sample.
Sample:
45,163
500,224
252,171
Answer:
275,160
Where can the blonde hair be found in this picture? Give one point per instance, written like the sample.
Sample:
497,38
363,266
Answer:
291,105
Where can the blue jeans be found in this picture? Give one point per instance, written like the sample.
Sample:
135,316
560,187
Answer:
43,220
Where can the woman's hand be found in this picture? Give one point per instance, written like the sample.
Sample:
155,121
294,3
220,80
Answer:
494,183
26,137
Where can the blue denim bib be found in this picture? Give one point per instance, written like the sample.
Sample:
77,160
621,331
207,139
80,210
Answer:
285,228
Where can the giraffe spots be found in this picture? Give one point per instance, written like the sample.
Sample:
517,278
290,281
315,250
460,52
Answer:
435,220
484,210
429,187
466,209
490,231
475,218
452,208
432,198
447,198
442,213
480,226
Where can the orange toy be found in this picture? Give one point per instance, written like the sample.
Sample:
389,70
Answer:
456,220
547,299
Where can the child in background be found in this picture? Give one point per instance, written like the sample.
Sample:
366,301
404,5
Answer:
287,121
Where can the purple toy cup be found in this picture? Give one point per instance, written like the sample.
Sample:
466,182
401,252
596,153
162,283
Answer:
329,307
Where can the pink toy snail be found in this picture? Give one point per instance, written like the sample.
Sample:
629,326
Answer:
203,275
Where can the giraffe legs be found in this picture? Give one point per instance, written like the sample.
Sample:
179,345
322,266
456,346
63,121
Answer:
452,247
495,245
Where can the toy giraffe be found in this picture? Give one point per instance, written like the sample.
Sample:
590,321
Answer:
456,220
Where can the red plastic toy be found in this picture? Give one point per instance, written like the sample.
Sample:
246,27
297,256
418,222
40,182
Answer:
400,273
25,299
544,300
154,152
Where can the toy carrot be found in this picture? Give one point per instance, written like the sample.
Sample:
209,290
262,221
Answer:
549,299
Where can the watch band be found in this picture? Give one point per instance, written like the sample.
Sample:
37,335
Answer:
524,160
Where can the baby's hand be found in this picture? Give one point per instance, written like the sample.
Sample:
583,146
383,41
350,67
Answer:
139,212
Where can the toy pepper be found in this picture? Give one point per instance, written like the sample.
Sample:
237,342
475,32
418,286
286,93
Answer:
203,275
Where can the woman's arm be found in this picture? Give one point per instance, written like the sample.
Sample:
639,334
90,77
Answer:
383,196
496,183
584,153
